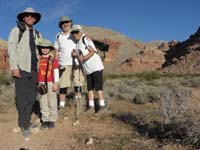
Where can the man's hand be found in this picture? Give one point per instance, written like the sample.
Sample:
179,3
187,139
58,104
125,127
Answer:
16,73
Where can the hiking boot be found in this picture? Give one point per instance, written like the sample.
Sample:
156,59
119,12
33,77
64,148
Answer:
51,125
90,111
45,125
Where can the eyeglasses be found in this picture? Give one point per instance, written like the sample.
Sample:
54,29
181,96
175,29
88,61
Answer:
30,15
75,32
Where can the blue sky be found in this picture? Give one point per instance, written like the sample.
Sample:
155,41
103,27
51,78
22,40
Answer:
144,20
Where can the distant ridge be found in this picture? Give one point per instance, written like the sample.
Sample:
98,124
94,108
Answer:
3,44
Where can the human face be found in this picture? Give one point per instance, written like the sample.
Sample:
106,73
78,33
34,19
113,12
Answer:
66,26
29,19
76,34
45,50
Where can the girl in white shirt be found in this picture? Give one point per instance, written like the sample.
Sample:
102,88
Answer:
92,66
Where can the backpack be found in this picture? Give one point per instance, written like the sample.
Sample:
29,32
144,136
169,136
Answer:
22,28
100,46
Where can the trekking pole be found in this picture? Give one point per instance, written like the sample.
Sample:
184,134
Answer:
78,98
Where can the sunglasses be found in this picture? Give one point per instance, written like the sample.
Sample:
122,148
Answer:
75,32
64,22
30,15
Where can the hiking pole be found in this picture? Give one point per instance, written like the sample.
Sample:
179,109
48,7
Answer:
78,107
78,97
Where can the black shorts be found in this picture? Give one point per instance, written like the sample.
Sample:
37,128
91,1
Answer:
95,81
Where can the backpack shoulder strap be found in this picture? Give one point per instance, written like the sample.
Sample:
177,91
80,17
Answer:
57,36
37,33
83,40
21,26
20,35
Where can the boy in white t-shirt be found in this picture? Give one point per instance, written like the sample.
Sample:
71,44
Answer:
92,66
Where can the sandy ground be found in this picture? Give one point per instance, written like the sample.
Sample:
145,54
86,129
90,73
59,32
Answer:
103,132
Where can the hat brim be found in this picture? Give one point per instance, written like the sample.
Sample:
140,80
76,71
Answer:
21,16
50,47
77,30
60,23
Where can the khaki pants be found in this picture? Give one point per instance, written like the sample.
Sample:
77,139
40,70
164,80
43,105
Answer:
66,78
48,105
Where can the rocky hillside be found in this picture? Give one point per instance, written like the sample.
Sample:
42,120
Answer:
133,56
184,57
3,44
121,47
3,58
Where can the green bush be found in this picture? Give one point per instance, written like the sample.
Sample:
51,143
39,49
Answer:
5,78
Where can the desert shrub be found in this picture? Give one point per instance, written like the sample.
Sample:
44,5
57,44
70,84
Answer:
191,81
192,126
145,87
5,78
173,103
131,90
149,76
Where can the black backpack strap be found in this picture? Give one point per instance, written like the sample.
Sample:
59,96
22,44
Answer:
22,27
57,36
83,40
37,33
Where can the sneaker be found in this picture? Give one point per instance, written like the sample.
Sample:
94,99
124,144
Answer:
51,124
62,104
45,125
102,110
26,132
90,111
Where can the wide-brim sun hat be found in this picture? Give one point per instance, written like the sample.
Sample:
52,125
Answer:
64,19
45,44
76,28
31,11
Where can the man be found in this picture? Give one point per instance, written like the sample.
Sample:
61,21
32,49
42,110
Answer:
23,56
65,44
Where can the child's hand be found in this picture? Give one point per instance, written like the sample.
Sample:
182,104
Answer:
55,87
81,58
74,53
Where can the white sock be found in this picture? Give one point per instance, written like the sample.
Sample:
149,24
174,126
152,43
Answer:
62,103
102,102
91,103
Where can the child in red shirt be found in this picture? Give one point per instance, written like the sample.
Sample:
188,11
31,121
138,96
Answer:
50,76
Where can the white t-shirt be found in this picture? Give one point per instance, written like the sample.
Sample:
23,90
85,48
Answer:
65,44
94,63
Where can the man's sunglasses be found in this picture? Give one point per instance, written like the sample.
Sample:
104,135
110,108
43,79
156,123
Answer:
75,32
64,22
30,15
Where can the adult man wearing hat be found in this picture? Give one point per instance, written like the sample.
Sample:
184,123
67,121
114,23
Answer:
65,44
23,56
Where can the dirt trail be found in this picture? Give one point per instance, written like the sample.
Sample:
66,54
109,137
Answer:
108,132
65,136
